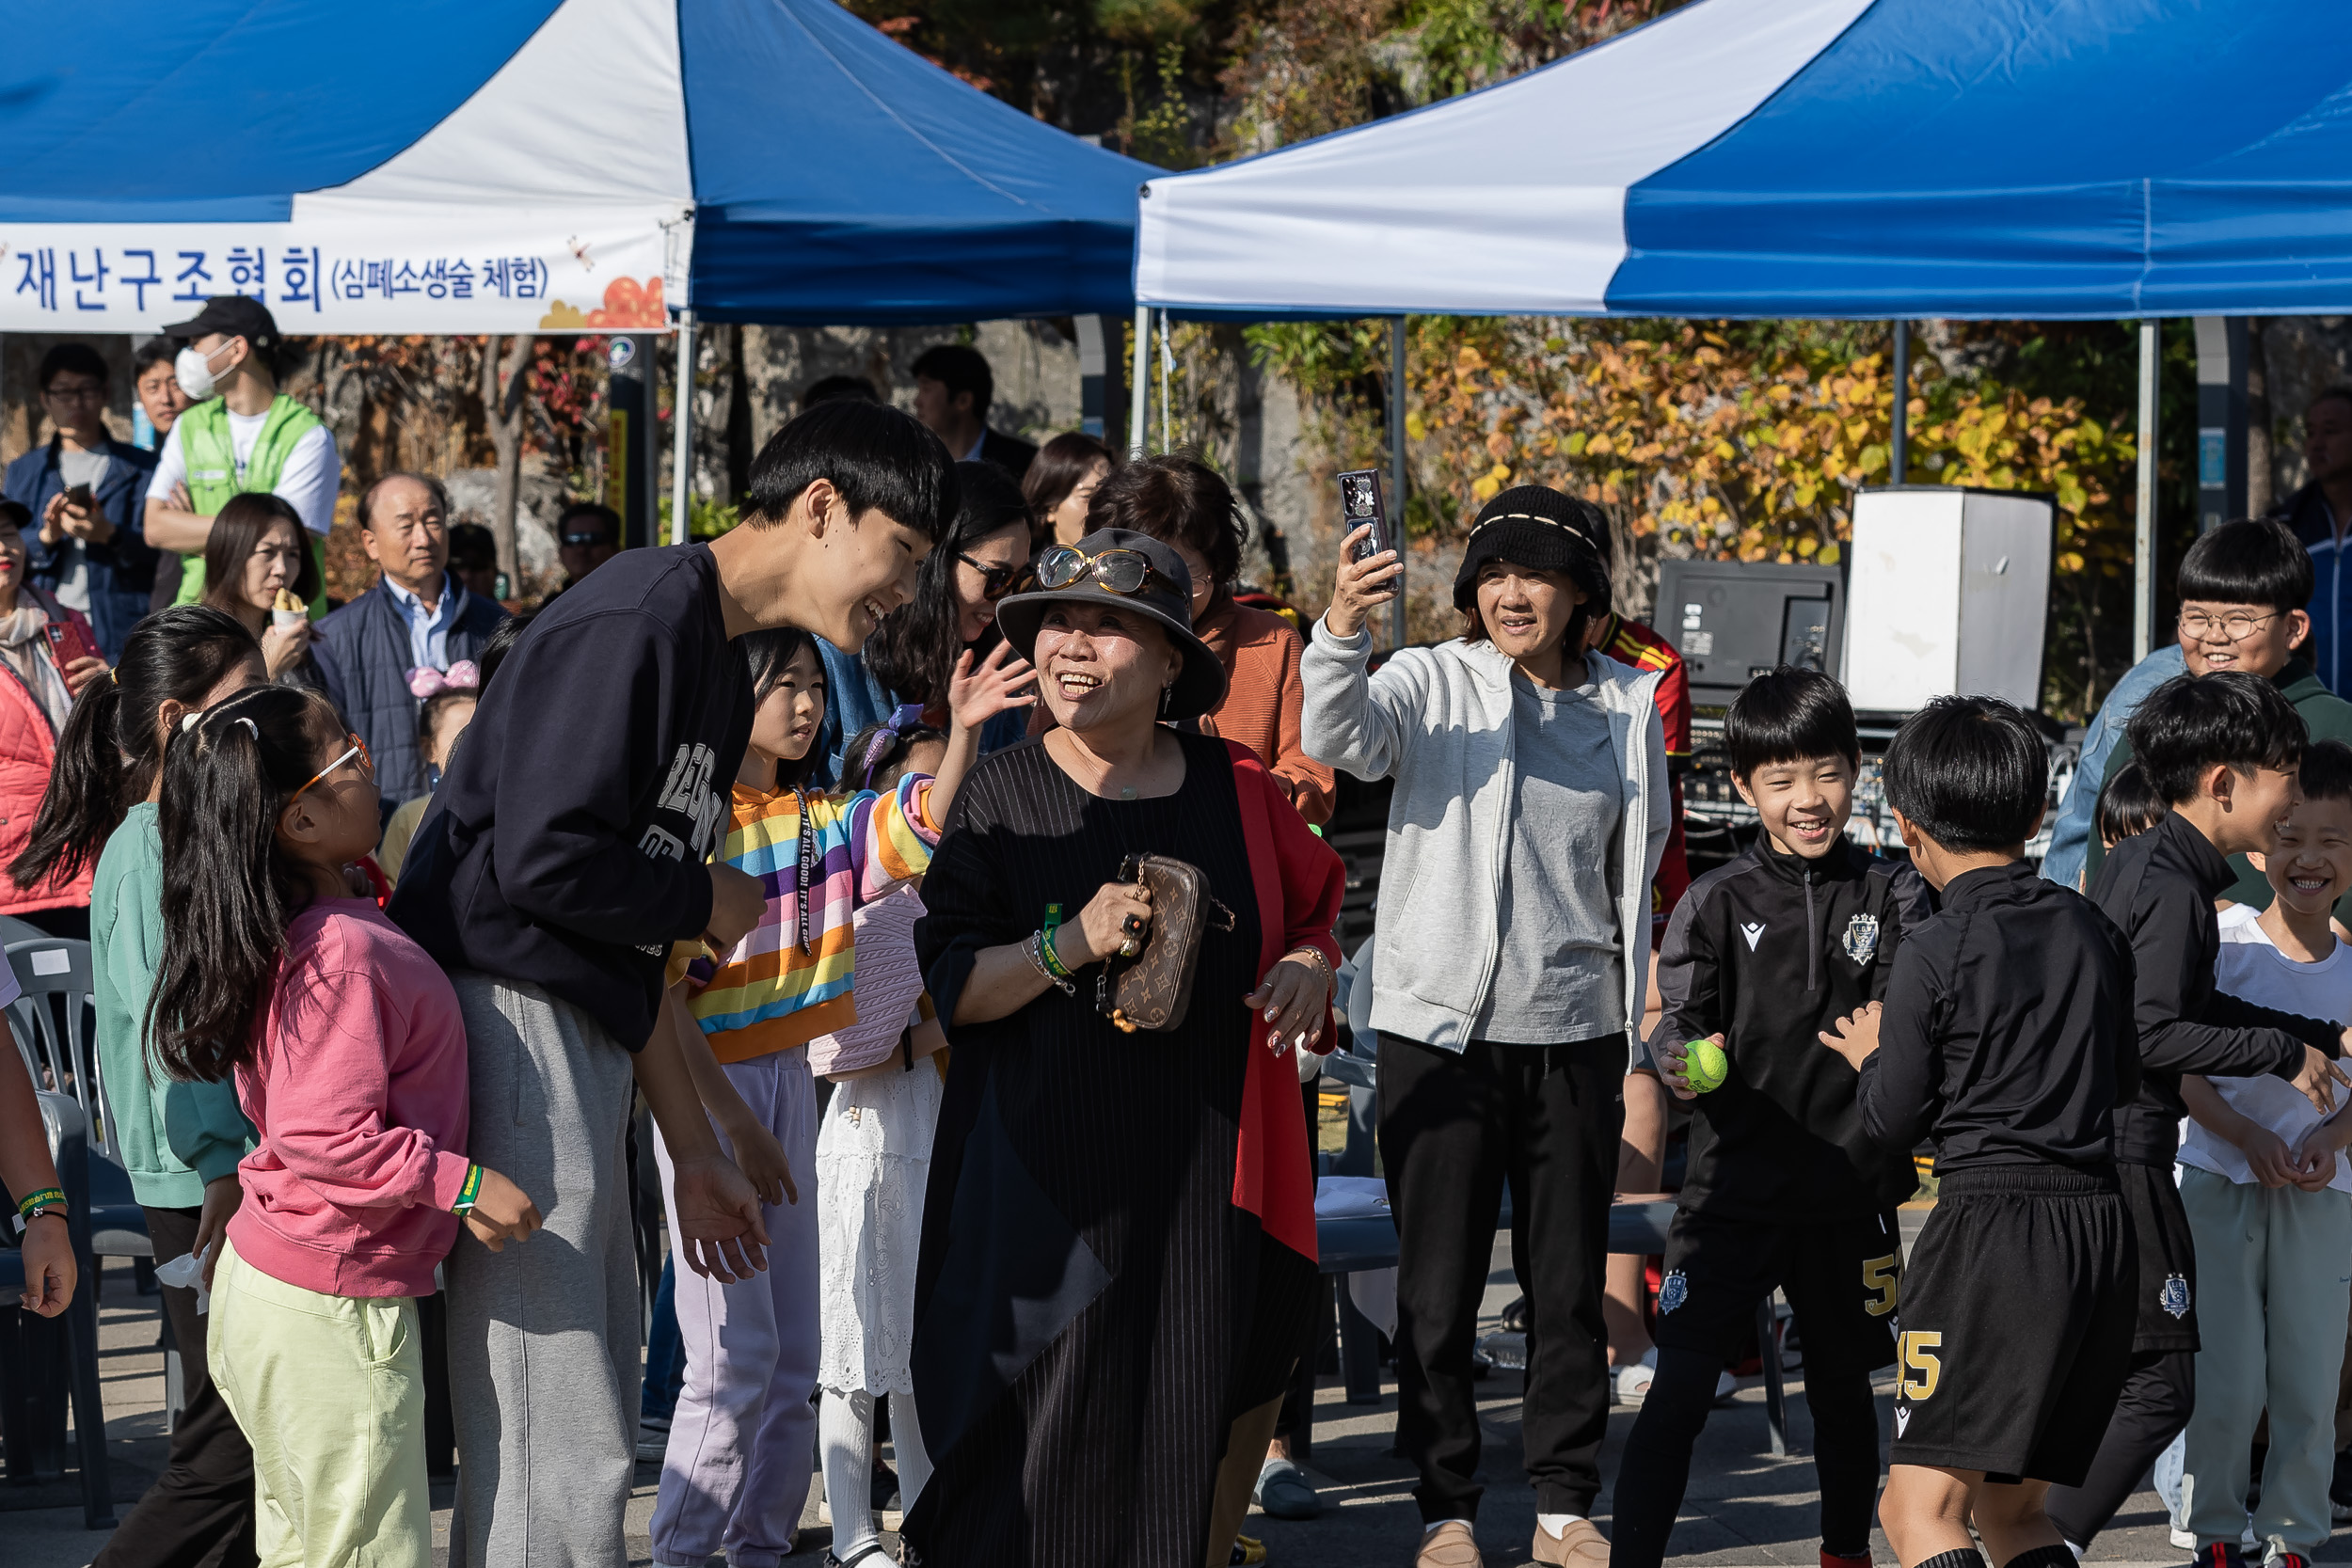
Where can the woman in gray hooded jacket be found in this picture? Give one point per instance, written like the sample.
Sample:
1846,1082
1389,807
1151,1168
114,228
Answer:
1511,949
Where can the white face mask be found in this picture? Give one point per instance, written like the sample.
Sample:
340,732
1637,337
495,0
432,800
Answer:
194,372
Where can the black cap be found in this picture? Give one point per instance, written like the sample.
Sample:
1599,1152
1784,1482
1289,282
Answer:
1200,685
1536,527
232,316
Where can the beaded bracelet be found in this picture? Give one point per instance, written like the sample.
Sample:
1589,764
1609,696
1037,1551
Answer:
1035,950
470,1192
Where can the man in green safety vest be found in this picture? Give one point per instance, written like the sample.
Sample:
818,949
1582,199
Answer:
243,435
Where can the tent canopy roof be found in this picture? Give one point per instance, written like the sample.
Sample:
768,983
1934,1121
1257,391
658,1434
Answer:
832,175
1809,158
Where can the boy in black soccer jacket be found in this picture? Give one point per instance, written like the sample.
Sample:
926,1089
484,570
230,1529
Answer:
2006,1035
1784,1187
2222,750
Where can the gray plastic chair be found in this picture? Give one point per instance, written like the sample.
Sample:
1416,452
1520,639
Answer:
37,1382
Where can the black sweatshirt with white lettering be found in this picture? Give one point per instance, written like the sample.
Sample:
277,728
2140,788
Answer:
1771,949
565,847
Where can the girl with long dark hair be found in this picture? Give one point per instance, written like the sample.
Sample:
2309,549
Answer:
912,655
1061,481
179,1143
349,1057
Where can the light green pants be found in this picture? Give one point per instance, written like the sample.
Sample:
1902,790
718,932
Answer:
330,1392
2274,1277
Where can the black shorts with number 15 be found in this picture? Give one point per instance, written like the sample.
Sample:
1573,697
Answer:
2017,1324
1844,1281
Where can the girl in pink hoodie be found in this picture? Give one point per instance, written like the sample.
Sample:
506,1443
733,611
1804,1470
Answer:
349,1057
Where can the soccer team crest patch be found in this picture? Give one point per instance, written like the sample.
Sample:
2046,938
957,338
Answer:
1862,938
1673,1291
2173,1296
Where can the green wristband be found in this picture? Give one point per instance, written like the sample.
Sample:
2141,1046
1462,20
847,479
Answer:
467,1193
48,1197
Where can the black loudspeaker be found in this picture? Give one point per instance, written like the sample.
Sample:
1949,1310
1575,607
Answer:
1734,620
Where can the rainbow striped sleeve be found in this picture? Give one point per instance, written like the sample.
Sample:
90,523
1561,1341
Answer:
892,835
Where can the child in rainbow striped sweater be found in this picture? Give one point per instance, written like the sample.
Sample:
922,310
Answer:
737,1472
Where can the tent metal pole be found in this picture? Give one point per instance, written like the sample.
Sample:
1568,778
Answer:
1898,453
1139,391
1168,402
2144,542
682,431
1396,471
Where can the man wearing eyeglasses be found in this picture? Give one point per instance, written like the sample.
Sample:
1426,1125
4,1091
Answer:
2243,589
84,485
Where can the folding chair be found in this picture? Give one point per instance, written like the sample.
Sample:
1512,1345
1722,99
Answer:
47,1364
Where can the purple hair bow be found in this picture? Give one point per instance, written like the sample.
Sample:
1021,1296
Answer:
464,676
905,716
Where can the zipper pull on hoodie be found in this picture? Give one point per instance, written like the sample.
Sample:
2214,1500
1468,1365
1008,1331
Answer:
1812,934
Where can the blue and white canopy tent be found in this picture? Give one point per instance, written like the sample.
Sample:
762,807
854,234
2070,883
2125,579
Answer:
525,165
2026,159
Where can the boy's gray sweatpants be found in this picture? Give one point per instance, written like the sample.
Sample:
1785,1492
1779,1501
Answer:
544,1343
2274,1276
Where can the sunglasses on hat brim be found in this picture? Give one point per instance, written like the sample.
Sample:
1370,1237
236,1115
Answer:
1118,570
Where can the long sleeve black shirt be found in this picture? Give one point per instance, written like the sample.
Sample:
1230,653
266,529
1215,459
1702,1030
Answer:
1771,949
2007,1035
2159,886
565,847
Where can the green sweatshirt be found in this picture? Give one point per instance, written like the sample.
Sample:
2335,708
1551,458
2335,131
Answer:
2327,717
174,1137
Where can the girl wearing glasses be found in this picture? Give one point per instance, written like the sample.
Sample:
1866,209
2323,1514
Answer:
349,1057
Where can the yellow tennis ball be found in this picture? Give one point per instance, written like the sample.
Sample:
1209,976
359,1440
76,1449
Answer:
1705,1066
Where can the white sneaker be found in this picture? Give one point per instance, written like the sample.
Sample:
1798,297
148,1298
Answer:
1630,1384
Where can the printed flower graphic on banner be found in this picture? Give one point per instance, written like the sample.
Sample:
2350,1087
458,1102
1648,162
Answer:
628,305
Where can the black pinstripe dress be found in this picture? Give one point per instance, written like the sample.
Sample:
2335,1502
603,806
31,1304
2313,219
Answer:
1092,1310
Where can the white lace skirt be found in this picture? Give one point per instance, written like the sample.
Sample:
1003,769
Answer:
873,1155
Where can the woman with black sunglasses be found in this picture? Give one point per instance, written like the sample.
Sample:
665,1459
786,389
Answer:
911,656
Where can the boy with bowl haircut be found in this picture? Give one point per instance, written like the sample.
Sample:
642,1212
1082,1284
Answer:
2243,589
2270,1206
1785,1188
2007,1037
2222,751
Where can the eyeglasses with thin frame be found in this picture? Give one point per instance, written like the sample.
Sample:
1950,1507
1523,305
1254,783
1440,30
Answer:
1120,571
2237,625
358,748
995,581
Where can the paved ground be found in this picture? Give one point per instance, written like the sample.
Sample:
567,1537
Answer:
1745,1510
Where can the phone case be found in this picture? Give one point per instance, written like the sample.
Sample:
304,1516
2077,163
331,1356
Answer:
1360,503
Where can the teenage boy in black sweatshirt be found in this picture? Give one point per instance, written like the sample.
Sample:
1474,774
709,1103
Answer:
564,851
2222,750
2007,1037
1785,1189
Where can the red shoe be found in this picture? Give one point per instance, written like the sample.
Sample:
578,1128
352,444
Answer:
1832,1560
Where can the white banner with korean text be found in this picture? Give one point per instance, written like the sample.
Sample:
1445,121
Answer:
365,268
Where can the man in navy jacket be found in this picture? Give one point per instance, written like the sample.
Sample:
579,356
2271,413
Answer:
94,559
416,616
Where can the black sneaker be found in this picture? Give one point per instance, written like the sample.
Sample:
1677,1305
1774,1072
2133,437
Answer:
2339,1488
886,1492
2221,1553
1514,1316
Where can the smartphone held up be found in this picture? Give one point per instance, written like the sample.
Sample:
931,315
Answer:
1360,503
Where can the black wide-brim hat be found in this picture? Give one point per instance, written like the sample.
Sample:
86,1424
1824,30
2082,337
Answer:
1200,686
1536,527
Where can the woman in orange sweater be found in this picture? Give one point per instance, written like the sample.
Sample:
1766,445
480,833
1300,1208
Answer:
1182,503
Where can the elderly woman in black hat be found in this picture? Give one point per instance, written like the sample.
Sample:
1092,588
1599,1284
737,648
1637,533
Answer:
1510,950
1118,1244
